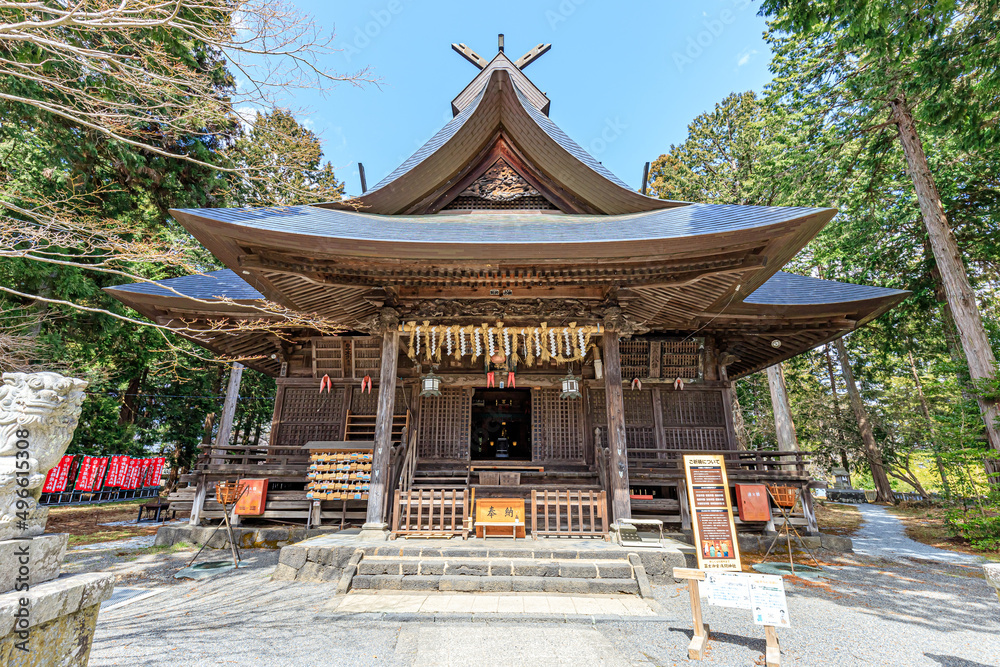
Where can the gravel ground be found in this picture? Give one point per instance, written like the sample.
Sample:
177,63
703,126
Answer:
870,611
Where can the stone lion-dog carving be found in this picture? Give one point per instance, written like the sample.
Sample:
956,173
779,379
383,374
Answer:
42,410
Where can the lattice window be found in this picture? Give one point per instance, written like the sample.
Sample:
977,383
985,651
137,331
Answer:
598,407
329,357
693,408
366,403
694,420
445,424
634,358
556,427
696,437
679,359
367,353
309,415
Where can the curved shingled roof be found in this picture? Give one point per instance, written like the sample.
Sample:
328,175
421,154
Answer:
506,229
789,289
223,284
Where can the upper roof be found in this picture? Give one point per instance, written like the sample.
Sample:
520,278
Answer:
222,284
501,106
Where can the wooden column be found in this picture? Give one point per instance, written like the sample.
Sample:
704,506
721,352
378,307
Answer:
200,492
383,429
621,506
784,427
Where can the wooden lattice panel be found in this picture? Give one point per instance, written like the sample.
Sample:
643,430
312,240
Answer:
598,406
366,402
367,356
556,427
679,359
634,358
445,423
693,408
694,420
329,357
307,414
696,437
638,407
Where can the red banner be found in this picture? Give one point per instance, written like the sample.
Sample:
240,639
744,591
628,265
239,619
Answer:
158,470
99,477
123,465
133,473
144,472
83,474
50,479
64,466
113,470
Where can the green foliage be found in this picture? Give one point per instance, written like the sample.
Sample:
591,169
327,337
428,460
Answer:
983,532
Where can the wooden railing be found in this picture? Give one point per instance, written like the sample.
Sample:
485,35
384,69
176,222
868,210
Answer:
569,514
430,512
740,465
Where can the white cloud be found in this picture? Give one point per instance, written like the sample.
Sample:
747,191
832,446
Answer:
745,57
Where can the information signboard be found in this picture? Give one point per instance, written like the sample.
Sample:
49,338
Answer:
767,600
711,512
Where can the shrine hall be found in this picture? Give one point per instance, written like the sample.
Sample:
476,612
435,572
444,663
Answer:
499,317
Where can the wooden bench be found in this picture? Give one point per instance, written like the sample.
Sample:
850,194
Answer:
430,513
154,509
569,514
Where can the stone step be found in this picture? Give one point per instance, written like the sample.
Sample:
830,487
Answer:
497,548
496,567
495,584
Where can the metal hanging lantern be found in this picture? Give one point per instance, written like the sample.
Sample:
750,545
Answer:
570,386
430,385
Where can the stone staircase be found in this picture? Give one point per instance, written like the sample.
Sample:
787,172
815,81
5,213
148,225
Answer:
579,571
546,565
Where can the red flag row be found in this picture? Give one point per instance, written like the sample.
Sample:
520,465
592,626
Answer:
95,473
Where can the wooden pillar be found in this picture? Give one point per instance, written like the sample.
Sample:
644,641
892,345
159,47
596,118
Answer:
200,492
784,427
621,505
383,429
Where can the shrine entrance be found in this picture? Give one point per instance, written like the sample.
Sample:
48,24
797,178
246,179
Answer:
501,425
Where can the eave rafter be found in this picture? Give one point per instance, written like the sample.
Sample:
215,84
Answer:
665,273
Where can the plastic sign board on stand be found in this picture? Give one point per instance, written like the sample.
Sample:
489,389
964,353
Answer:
711,512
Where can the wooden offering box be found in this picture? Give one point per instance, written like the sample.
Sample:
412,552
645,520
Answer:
339,470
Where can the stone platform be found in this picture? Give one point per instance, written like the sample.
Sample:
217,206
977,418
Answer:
247,537
548,565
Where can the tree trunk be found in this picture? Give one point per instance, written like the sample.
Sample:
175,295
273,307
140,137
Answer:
130,401
872,452
739,424
930,423
961,298
844,462
784,427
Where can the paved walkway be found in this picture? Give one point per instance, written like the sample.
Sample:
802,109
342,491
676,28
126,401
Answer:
882,536
484,603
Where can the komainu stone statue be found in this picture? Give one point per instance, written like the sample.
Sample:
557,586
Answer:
38,414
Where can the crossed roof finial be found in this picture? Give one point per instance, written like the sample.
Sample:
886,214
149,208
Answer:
522,62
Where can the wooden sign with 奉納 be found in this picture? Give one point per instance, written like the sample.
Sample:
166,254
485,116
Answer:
711,512
500,516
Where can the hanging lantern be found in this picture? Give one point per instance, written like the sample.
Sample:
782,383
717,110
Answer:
570,386
430,385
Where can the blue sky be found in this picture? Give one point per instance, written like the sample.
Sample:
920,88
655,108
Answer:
624,78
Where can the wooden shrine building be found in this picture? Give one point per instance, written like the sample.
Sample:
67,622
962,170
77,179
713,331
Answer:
507,304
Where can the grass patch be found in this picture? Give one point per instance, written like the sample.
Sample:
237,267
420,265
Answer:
83,522
926,524
837,518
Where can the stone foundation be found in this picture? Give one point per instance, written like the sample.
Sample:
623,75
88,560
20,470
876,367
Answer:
247,537
61,617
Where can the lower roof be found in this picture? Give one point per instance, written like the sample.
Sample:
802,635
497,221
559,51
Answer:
826,310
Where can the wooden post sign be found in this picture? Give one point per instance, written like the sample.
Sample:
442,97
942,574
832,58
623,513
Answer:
711,512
